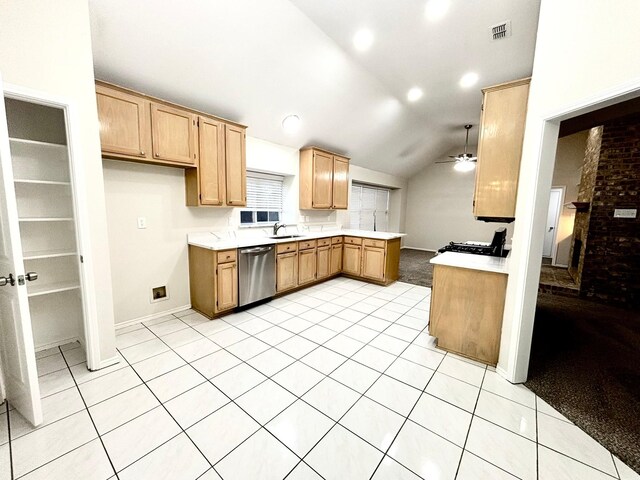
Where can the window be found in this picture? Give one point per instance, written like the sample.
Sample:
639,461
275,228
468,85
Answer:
369,208
264,199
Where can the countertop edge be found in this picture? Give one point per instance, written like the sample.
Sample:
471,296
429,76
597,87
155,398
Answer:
473,262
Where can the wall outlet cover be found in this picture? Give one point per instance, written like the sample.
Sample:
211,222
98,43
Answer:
159,294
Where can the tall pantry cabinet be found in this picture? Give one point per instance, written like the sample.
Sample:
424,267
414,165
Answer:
41,283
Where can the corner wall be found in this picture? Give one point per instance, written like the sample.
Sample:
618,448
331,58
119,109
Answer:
46,46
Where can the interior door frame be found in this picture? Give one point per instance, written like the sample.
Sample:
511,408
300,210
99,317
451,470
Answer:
91,330
554,244
524,267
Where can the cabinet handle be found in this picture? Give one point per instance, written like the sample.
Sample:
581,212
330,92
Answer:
157,155
141,152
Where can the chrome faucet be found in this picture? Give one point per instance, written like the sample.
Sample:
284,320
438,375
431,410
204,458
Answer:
277,226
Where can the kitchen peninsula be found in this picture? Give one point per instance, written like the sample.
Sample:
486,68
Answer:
467,304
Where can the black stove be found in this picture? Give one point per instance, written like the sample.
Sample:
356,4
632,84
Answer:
494,249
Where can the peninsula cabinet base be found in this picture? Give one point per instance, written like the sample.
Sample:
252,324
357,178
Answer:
466,312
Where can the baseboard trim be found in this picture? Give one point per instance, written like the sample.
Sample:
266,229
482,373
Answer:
153,316
418,248
58,343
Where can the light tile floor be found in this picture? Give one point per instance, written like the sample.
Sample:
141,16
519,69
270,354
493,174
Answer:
338,381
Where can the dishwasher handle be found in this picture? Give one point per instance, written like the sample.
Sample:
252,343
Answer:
257,250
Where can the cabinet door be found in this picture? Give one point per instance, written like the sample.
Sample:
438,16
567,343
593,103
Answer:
323,268
336,259
174,134
227,288
211,167
322,180
351,259
235,141
340,182
124,123
499,151
286,271
373,263
306,266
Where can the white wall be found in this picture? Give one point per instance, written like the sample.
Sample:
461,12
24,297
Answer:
440,208
566,173
584,53
145,258
46,46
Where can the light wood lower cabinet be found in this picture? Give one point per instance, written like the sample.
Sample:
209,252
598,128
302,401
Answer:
286,271
466,311
336,259
323,262
351,259
213,276
306,266
373,262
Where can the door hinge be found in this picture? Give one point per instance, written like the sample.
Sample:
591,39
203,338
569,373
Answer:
200,196
81,259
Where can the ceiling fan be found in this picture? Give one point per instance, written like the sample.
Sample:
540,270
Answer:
464,162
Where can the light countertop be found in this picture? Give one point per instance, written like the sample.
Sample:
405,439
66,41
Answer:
212,241
473,262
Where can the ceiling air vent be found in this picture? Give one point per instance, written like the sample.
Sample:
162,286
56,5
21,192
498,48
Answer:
501,30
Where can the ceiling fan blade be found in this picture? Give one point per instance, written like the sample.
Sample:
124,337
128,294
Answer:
447,161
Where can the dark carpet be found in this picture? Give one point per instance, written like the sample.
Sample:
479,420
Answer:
585,362
415,267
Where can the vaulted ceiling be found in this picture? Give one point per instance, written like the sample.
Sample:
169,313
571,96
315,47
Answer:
257,61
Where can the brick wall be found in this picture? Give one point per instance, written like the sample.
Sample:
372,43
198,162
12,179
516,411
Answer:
611,263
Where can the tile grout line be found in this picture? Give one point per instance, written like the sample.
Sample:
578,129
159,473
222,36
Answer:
406,419
90,417
473,414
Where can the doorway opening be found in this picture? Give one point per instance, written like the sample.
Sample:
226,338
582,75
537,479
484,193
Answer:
584,351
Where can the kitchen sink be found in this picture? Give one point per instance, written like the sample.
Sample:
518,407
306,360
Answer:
284,236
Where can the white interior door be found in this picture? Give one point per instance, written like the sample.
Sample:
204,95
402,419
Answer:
555,206
18,355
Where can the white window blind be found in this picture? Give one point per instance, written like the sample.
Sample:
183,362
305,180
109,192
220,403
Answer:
369,207
264,199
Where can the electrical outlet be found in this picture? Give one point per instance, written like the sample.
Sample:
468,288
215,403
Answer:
142,222
159,294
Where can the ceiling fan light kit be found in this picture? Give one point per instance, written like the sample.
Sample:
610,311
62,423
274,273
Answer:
464,162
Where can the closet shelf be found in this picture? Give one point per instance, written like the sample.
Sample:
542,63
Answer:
40,182
35,290
46,219
48,254
24,141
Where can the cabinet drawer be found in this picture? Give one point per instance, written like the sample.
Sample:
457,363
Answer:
227,256
335,240
287,247
323,242
370,242
353,240
306,244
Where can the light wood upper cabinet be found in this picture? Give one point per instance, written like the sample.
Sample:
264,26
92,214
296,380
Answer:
324,180
323,265
211,170
286,271
236,166
174,133
500,149
351,257
124,123
340,182
227,286
373,262
306,266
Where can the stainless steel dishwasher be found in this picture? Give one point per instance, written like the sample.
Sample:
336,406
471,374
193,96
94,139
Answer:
256,274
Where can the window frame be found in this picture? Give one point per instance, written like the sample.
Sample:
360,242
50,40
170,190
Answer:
256,210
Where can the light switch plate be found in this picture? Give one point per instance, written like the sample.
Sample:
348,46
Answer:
625,213
142,222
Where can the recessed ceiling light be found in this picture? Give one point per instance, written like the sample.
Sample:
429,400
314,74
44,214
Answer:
436,9
469,80
414,94
291,124
363,39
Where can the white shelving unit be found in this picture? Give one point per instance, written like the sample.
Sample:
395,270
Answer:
46,212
